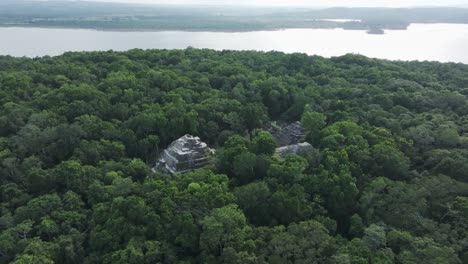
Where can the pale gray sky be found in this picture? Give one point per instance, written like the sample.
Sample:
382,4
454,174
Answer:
317,3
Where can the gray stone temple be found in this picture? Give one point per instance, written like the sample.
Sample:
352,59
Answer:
289,137
185,154
286,134
298,149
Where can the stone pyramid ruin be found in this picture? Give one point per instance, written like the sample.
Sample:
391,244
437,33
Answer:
286,134
185,154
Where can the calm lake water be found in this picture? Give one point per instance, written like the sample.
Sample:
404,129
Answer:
439,42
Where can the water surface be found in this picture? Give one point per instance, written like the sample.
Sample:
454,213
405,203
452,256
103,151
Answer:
439,42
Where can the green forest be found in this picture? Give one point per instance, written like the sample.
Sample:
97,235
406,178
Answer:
386,181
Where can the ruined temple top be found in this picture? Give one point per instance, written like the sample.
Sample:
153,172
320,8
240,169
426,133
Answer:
286,134
184,154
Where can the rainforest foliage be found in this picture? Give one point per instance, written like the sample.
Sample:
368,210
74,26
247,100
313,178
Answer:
387,181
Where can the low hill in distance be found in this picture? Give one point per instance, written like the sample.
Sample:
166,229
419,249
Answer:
131,17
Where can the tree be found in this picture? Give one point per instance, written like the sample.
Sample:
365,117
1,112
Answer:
313,122
447,137
374,237
253,116
132,254
356,228
288,171
244,167
137,169
233,147
38,208
92,152
71,175
304,242
38,251
149,148
390,162
254,199
48,228
399,240
399,204
290,205
224,228
263,143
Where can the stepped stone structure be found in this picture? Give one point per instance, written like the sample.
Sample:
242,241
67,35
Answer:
184,154
286,134
300,148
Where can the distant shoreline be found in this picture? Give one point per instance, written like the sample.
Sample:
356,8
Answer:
371,31
190,30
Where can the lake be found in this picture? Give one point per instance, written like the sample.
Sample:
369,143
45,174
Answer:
438,42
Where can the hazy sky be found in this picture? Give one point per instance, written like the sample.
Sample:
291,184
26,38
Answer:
386,3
